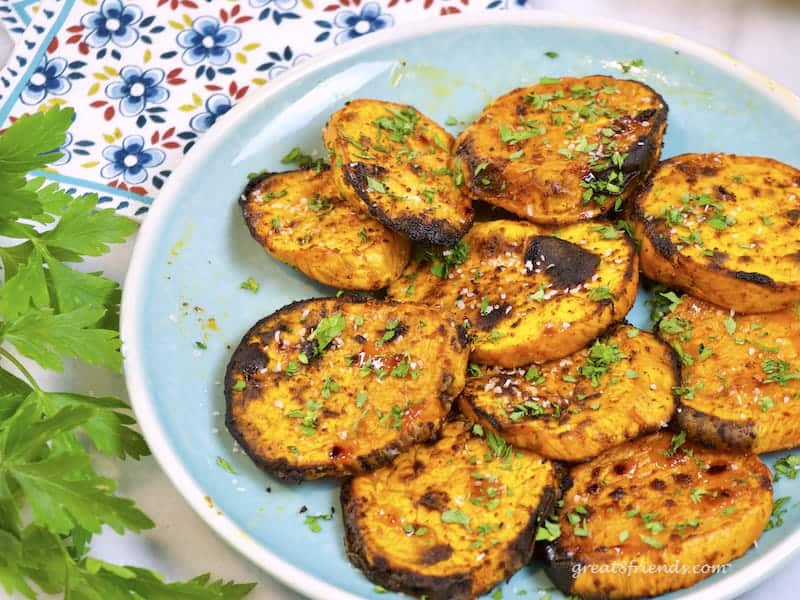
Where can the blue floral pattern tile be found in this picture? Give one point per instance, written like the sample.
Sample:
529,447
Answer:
147,78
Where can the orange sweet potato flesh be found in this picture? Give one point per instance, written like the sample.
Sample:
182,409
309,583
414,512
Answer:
741,375
451,519
724,228
385,379
575,408
564,150
655,515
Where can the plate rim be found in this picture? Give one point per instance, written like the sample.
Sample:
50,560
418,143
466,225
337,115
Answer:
143,403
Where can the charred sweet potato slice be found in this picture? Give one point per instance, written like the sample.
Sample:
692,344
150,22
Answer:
740,384
724,228
396,162
575,408
449,519
300,219
332,387
656,515
529,294
566,149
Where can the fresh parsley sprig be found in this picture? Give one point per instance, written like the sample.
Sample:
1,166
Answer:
52,500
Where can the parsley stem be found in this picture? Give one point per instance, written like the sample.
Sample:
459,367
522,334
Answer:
21,368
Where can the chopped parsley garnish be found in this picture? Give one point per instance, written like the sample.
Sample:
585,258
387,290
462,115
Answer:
651,542
627,66
779,371
499,447
696,494
538,295
474,370
443,262
272,196
251,284
327,329
313,521
786,466
400,125
391,331
677,441
600,294
730,325
239,385
457,517
376,185
221,462
297,157
361,399
551,54
549,530
534,375
320,204
329,386
778,510
601,357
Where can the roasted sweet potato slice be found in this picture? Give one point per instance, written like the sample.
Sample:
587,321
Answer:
575,408
529,294
656,515
724,228
564,150
332,387
396,162
300,219
741,375
450,519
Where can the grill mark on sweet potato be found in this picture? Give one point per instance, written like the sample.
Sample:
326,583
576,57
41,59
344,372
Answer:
654,230
356,173
435,500
436,554
757,278
713,431
565,264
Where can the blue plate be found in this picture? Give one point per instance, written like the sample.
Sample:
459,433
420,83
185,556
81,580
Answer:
194,251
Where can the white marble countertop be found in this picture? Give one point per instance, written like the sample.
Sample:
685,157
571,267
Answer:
765,34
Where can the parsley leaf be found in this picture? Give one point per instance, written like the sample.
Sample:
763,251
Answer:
327,330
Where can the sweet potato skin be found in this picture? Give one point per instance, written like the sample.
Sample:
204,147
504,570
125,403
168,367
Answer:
740,385
299,218
396,525
387,380
570,130
654,515
529,295
556,410
751,265
394,161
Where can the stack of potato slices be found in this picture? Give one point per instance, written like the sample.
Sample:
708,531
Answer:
497,400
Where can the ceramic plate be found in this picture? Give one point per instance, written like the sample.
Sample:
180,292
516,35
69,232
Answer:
194,251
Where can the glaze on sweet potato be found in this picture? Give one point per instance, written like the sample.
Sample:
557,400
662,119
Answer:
724,228
396,162
656,515
449,519
333,387
300,219
566,149
575,408
529,294
740,385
